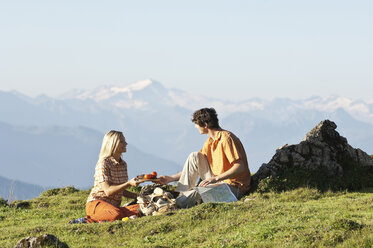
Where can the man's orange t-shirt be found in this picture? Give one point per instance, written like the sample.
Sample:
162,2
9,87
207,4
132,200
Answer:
222,153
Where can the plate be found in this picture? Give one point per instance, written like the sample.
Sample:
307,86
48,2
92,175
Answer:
155,180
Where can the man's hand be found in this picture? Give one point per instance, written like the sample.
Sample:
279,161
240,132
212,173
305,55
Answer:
208,181
165,179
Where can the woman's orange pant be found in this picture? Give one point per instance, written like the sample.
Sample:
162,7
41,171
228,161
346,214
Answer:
98,211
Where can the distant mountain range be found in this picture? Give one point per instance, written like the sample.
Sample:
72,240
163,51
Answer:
55,141
148,94
12,190
61,156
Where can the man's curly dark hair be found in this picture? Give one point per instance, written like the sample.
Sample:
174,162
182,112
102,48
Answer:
208,116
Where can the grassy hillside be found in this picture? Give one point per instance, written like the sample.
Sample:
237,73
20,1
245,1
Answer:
298,218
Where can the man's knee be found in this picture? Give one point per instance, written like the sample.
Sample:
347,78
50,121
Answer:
193,155
196,156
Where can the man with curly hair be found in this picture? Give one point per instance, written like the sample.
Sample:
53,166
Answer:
222,159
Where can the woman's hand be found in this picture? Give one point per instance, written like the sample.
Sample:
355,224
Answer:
134,182
115,189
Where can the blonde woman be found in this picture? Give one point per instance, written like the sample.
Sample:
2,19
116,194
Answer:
111,181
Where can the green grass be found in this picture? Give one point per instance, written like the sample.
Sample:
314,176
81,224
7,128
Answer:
354,177
298,218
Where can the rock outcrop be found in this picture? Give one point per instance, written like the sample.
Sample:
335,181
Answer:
46,240
323,159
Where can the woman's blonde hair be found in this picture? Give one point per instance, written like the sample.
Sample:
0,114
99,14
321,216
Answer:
109,144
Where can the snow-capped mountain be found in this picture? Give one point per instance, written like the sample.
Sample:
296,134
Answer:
140,95
146,94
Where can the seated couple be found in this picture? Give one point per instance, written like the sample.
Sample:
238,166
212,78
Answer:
222,159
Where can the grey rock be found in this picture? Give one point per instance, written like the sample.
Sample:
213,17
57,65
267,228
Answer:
303,148
364,158
45,240
283,158
322,149
297,158
316,151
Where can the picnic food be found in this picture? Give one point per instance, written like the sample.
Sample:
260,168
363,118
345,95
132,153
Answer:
152,175
148,176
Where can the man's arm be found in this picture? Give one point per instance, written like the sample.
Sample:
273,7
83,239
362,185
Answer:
235,170
168,179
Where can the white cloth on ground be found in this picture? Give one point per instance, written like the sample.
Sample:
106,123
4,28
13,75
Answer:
195,166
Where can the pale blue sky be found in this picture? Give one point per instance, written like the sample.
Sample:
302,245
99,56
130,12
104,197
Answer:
227,49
